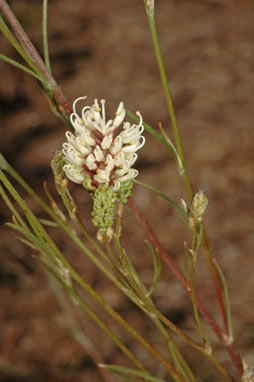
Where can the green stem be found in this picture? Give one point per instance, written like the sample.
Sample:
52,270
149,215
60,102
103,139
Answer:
12,208
150,14
71,291
123,323
7,33
50,246
164,80
224,282
196,241
216,283
25,41
45,34
180,277
75,328
32,57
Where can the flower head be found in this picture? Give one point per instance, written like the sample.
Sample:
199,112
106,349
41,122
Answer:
96,153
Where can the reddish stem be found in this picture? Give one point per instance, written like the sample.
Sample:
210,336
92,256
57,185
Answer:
24,39
181,278
62,102
216,284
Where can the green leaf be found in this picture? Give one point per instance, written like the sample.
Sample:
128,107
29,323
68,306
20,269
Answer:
26,242
120,370
49,223
158,192
19,66
153,132
157,268
228,309
16,44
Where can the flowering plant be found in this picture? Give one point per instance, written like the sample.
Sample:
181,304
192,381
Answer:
99,155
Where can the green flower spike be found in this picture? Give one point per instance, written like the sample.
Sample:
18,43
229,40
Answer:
104,207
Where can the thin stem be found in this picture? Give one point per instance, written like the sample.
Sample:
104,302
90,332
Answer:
15,43
224,282
150,307
219,367
178,141
121,321
197,238
216,283
146,304
180,277
12,208
164,80
45,34
24,39
35,59
54,253
75,328
70,290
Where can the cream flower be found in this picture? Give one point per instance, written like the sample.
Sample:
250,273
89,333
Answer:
95,154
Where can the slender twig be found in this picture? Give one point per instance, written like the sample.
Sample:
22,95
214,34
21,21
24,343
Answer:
180,277
24,39
185,175
224,282
48,246
75,328
196,241
45,34
172,115
216,283
64,106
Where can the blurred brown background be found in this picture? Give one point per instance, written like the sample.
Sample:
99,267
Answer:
103,49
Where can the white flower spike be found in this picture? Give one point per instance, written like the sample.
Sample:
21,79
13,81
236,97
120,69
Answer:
95,154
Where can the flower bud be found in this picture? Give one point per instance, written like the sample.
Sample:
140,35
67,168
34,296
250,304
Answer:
198,205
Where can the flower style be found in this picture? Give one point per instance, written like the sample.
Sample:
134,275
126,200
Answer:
95,155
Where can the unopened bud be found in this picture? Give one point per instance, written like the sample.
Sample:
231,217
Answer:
198,205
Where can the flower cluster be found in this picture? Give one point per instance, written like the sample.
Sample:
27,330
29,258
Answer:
95,154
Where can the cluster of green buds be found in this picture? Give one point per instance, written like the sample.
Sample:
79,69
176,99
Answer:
104,204
104,207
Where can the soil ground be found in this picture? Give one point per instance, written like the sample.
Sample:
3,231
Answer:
103,49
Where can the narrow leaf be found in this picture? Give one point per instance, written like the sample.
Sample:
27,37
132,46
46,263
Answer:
152,131
19,66
127,370
228,309
157,268
158,192
16,44
49,223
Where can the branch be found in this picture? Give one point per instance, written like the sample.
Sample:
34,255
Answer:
181,278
